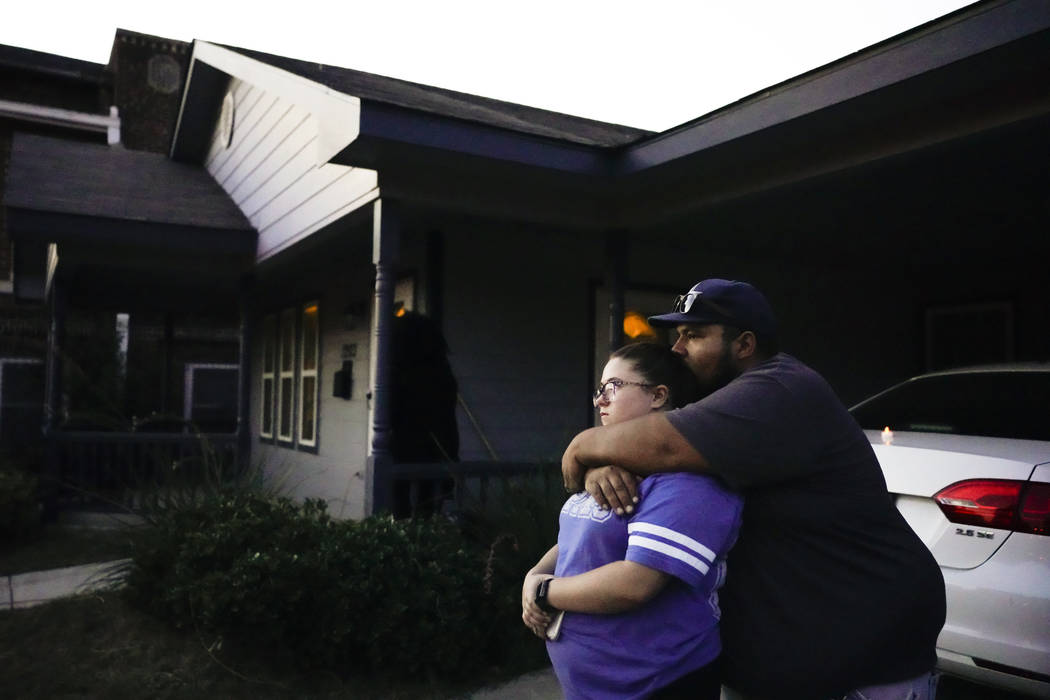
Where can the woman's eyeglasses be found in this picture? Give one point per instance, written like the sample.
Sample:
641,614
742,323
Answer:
607,390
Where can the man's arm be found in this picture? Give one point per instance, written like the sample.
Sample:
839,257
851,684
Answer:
646,445
612,588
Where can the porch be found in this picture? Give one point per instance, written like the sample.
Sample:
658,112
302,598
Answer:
123,470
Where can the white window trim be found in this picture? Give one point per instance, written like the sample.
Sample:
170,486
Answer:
269,326
305,373
286,320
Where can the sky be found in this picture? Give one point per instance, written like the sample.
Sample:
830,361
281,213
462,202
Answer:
650,64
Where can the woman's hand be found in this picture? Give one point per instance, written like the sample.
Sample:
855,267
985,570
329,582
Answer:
534,617
613,487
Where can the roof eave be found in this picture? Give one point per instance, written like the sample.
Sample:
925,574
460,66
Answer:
212,65
387,132
963,35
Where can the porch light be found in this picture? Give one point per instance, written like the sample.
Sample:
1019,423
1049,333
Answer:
635,326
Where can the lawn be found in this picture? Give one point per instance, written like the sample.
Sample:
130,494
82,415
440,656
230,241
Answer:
98,646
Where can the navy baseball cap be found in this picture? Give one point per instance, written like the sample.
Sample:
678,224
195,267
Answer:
727,302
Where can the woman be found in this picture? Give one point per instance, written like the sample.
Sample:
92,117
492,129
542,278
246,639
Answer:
639,592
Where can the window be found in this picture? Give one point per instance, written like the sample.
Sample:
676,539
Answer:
308,376
290,376
969,334
21,401
1009,404
269,365
286,375
210,397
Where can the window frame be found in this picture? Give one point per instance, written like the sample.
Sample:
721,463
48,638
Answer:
305,372
290,365
268,375
285,434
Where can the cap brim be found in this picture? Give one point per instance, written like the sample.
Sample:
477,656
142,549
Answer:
665,320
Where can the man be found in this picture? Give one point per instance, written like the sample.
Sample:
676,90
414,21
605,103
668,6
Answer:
828,590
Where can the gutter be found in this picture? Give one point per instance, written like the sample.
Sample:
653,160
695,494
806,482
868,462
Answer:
53,116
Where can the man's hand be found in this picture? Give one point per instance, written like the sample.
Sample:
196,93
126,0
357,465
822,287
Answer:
613,487
534,617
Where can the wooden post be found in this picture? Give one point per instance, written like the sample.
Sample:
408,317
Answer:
166,366
386,232
246,337
54,368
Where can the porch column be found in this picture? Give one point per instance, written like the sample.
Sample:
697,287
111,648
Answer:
616,244
56,341
166,365
244,372
386,230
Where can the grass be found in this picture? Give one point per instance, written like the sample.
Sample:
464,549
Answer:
98,646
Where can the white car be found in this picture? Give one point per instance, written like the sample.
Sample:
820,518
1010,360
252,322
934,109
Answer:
967,455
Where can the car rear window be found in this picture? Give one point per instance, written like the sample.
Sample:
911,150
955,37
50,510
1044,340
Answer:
992,404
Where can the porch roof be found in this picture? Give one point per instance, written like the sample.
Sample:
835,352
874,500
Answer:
111,210
62,177
22,59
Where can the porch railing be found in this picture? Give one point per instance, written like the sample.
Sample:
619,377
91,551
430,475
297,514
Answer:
116,468
90,466
421,489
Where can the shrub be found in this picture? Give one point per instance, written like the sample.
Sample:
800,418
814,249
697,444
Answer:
19,504
380,595
516,524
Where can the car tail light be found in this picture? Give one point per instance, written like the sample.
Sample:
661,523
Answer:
999,503
1035,509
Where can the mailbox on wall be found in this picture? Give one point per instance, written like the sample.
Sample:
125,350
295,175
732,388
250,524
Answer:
343,382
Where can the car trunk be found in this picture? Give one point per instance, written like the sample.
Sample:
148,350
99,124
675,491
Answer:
919,465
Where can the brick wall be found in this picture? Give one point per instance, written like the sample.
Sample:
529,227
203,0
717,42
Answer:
148,76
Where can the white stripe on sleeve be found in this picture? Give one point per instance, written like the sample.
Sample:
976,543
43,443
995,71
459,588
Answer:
673,535
670,550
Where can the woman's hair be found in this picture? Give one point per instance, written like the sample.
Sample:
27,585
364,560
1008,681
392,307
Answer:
658,365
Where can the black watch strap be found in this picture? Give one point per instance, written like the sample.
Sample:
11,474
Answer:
541,595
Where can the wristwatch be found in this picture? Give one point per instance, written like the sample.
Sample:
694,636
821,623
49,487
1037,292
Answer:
541,595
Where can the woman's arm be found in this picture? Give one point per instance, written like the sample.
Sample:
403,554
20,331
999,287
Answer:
534,617
546,563
613,588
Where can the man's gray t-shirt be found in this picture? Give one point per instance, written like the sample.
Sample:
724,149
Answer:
828,589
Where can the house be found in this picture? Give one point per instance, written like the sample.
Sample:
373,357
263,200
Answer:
119,322
892,205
